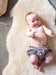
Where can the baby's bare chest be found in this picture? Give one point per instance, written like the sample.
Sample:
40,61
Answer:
38,31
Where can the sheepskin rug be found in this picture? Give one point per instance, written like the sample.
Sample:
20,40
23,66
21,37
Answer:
17,41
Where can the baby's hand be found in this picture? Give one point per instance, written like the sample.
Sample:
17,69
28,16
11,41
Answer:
52,35
33,34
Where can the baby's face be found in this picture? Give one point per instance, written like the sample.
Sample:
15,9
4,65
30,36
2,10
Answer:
33,20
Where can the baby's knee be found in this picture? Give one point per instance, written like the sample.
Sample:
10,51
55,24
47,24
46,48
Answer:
49,59
33,59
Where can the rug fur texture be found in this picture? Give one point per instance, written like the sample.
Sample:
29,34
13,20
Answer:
17,41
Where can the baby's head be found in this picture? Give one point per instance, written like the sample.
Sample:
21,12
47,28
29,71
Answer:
32,19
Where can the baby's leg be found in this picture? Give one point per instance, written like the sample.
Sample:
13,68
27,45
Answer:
48,59
34,61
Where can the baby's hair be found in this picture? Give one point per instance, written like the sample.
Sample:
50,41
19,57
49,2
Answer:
29,13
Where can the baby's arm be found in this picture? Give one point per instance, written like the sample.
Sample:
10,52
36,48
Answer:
30,33
48,31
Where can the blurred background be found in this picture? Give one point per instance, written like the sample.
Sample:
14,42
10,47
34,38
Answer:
5,24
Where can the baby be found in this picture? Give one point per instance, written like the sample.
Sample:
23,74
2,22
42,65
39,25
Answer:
38,49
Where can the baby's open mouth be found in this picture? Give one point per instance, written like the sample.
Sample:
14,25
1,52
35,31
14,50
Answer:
35,24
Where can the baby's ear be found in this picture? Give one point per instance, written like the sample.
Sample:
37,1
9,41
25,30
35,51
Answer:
27,23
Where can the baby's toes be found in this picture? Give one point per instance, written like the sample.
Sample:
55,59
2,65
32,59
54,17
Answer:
36,66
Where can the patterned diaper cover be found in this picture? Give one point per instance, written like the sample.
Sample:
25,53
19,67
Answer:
39,51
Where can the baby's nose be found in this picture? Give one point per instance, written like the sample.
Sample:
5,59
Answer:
35,21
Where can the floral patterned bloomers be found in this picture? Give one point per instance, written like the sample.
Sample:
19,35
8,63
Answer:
39,51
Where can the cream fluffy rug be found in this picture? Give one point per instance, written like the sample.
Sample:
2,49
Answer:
17,41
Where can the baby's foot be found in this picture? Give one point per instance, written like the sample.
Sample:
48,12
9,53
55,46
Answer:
40,66
36,66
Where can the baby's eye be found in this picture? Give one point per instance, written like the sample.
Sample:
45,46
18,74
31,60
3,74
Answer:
37,19
33,21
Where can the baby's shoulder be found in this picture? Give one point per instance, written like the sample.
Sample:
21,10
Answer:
42,26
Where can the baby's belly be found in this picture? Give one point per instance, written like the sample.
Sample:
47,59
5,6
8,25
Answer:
37,42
